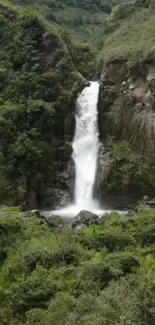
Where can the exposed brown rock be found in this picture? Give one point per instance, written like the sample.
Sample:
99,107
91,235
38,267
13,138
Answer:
127,103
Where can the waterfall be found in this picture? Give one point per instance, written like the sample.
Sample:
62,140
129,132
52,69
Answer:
85,153
85,147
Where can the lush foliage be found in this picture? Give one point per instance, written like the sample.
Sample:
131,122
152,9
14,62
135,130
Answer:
100,274
83,54
38,82
79,16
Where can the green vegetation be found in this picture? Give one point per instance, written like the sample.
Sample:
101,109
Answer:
38,83
103,274
131,173
82,54
142,166
98,275
81,17
128,31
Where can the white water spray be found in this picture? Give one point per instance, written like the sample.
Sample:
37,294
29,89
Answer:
85,147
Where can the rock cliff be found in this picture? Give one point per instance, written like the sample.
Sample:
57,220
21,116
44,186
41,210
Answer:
127,103
127,113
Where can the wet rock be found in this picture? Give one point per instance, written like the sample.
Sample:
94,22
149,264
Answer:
57,191
86,218
78,227
149,203
62,153
87,83
131,213
131,87
35,213
53,221
56,143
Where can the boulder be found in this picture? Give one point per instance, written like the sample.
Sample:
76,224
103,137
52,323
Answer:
53,221
151,203
35,213
131,213
86,218
148,203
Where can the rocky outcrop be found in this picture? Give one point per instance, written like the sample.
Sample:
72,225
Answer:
60,176
127,103
85,218
127,112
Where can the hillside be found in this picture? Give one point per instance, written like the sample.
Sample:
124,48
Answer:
128,31
81,17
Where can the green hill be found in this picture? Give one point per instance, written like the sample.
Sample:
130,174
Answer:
80,16
128,31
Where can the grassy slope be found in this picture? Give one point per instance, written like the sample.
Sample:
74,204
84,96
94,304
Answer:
131,36
134,36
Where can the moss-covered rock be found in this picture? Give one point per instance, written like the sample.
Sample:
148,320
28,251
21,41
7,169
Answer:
125,176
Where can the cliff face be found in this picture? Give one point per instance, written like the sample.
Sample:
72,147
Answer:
127,103
127,112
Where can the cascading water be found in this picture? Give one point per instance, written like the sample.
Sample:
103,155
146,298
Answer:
85,147
85,153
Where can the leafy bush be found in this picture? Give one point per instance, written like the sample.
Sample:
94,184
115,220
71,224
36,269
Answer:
100,282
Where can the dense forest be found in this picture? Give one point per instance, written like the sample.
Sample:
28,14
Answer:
53,272
41,71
